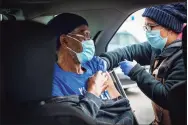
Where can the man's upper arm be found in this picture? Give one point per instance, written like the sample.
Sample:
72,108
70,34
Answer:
96,64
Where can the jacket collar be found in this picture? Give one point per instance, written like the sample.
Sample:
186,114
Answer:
171,49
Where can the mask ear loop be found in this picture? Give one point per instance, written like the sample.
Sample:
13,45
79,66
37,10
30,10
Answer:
82,36
74,38
167,35
75,56
78,35
69,47
71,50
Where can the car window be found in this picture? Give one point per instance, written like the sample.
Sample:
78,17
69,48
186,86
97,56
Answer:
131,32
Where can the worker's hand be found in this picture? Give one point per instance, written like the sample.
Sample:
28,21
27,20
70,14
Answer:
97,83
126,66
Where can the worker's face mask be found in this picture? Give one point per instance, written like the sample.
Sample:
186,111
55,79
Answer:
88,50
155,39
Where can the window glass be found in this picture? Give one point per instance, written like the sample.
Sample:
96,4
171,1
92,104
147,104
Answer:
131,32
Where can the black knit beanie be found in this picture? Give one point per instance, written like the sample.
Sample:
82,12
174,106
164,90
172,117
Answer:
171,16
65,23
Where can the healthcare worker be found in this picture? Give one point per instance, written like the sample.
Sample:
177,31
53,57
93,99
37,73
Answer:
162,52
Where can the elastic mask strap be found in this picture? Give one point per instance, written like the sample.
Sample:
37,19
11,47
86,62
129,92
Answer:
71,50
73,38
77,35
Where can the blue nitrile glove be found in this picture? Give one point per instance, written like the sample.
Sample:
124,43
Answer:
126,66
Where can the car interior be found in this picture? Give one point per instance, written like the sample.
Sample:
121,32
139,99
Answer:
28,53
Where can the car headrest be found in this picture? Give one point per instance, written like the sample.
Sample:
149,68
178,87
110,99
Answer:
27,61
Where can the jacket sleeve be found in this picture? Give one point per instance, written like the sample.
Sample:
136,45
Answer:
139,52
90,104
154,89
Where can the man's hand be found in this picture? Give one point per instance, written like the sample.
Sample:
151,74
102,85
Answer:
97,83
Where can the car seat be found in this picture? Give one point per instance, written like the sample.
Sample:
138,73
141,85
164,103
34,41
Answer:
177,95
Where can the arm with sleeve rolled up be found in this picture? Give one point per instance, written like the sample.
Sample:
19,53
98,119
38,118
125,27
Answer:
154,89
139,52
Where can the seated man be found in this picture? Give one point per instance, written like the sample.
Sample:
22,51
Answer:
76,62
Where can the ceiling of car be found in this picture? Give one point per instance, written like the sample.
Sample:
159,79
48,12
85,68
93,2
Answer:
101,15
34,8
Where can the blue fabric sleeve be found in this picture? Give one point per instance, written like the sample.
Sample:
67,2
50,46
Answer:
97,64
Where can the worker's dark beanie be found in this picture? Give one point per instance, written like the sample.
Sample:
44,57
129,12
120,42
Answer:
171,16
65,23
